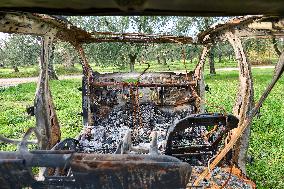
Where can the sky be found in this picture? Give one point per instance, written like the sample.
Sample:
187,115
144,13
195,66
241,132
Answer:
3,36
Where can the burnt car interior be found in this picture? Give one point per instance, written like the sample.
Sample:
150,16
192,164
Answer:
151,132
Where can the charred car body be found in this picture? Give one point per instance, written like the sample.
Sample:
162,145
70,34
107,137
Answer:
147,133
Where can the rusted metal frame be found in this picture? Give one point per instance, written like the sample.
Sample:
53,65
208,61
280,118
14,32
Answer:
22,23
241,128
29,159
137,104
199,77
14,174
247,33
46,119
36,24
135,40
137,171
24,142
90,169
100,37
39,24
39,159
200,120
270,23
86,83
247,26
247,122
213,32
244,100
15,141
191,149
67,146
278,52
139,35
124,75
138,84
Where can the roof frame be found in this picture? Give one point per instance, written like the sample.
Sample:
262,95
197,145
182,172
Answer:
245,27
39,24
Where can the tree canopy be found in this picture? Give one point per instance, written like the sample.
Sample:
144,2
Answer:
18,50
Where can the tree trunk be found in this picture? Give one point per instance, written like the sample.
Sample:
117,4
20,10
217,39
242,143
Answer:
68,59
142,60
220,56
191,55
244,101
132,66
171,56
16,69
51,72
164,59
211,61
132,61
278,52
230,55
158,59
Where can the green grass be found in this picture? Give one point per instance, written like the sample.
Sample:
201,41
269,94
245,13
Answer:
27,71
14,120
33,71
267,138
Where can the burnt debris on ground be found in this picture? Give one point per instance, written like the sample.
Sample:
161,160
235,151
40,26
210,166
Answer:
226,177
108,132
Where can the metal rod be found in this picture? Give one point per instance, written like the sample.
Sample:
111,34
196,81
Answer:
38,159
105,84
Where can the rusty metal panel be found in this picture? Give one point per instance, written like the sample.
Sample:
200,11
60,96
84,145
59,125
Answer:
129,171
93,170
197,138
14,174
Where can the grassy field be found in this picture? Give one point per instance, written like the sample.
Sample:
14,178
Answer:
267,139
33,71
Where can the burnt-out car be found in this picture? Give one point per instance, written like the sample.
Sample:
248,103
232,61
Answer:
151,132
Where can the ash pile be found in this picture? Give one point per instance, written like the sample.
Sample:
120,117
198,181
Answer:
107,134
227,177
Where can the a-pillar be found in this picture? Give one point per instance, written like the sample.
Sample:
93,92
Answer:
199,77
86,94
244,100
46,120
